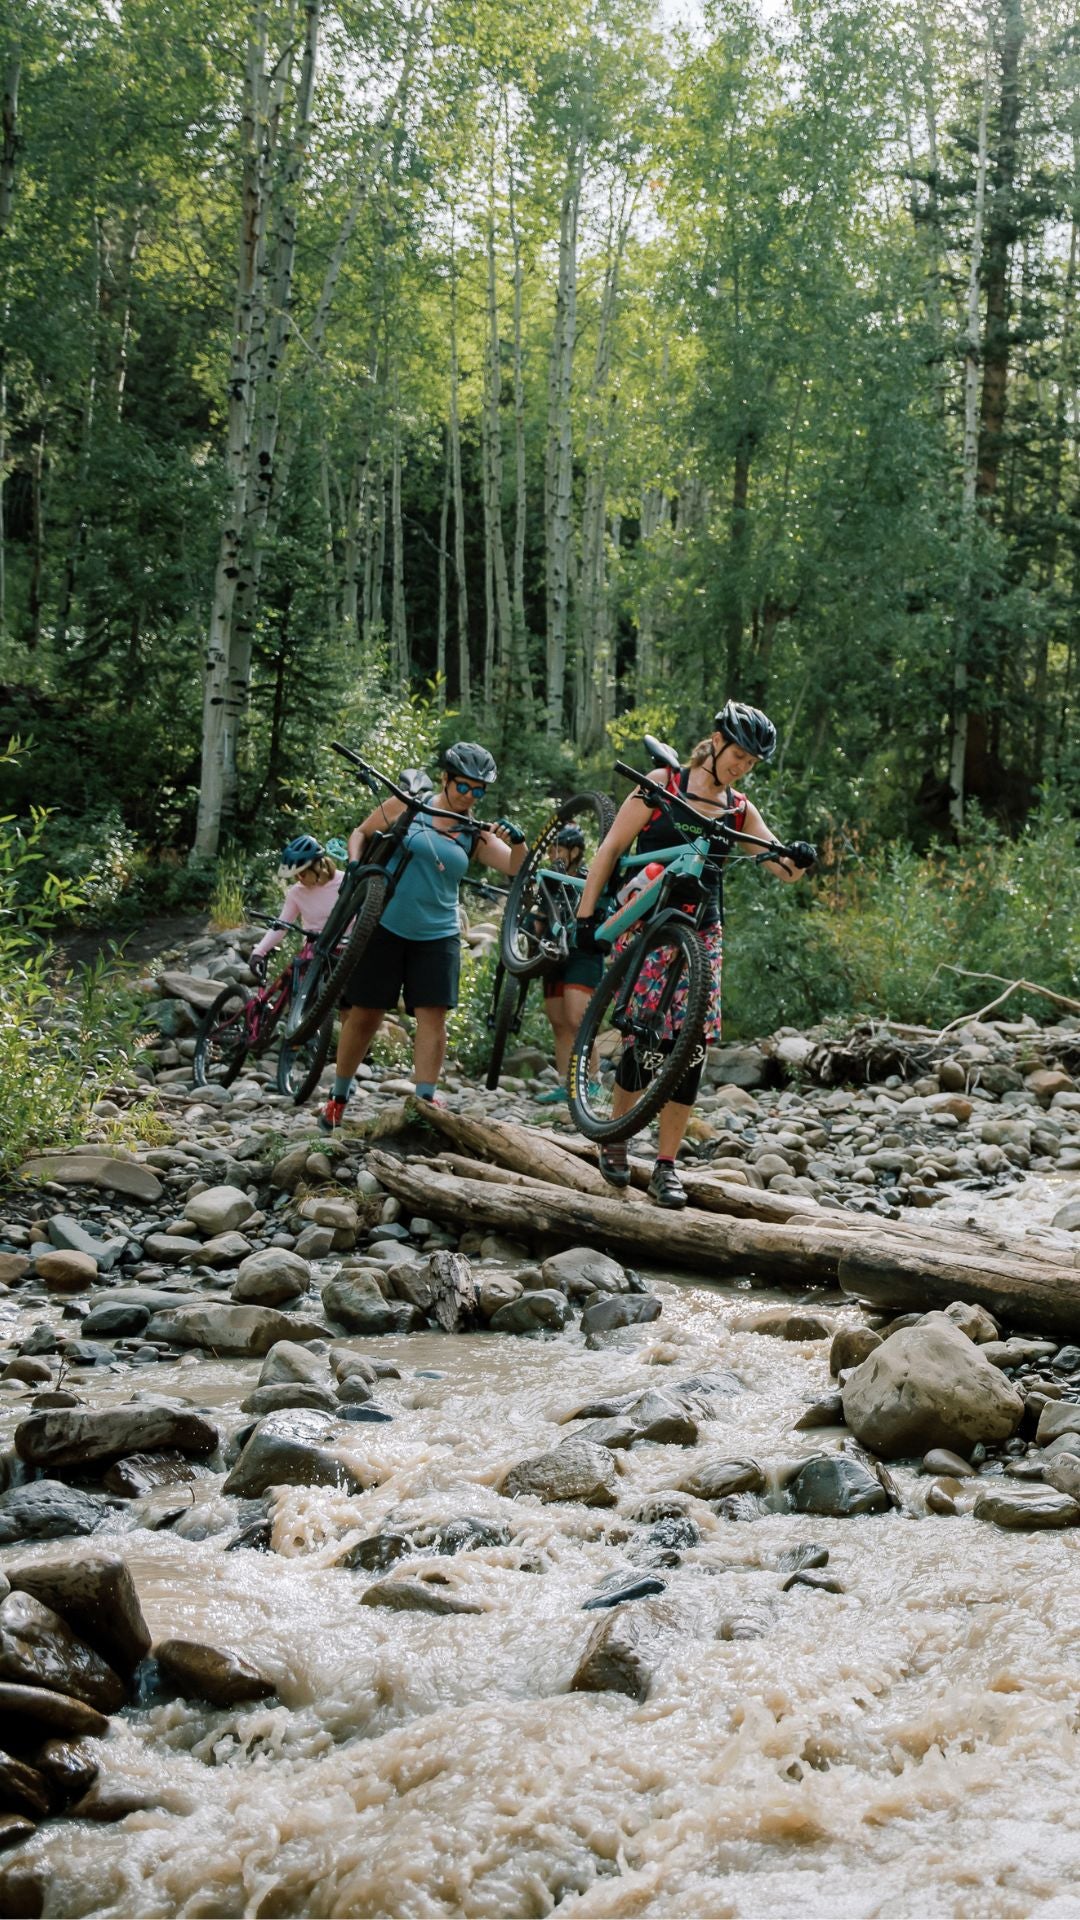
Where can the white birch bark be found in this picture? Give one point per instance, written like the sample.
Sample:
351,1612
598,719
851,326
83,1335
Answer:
503,662
464,671
522,678
969,470
399,639
559,464
237,455
9,148
440,618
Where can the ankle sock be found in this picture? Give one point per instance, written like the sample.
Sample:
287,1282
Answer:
662,1160
342,1085
425,1089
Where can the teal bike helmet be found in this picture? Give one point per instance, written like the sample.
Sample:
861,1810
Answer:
302,851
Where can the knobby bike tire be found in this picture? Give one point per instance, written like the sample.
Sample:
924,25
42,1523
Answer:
222,1025
514,942
624,969
321,987
509,1005
300,1065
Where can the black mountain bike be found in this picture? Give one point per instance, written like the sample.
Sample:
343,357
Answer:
366,891
655,992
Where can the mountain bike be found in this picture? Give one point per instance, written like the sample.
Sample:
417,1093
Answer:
366,890
243,1021
541,907
667,955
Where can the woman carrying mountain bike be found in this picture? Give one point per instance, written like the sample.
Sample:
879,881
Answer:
415,951
742,737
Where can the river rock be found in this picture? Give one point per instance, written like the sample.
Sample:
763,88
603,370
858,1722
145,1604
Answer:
1026,1507
850,1347
96,1596
1057,1417
23,1788
292,1393
224,1328
285,1450
32,1373
269,1278
928,1386
218,1210
1067,1218
216,1674
168,1249
66,1233
495,1290
1063,1472
785,1323
38,1649
69,1767
65,1272
288,1172
662,1420
972,1320
577,1470
609,1311
12,1268
715,1476
223,1250
581,1271
287,1360
48,1510
72,1436
103,1170
942,1460
834,1484
428,1592
362,1309
109,1321
543,1310
340,1217
196,989
40,1712
136,1474
624,1649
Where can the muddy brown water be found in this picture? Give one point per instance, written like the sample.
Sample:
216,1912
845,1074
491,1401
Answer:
906,1747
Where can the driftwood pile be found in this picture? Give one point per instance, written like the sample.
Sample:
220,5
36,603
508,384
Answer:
518,1181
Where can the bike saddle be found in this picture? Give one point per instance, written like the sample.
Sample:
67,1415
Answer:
660,754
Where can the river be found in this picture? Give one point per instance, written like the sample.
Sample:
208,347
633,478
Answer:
906,1746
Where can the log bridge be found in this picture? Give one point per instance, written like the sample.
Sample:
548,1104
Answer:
519,1181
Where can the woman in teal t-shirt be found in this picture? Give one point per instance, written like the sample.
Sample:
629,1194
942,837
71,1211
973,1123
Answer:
415,951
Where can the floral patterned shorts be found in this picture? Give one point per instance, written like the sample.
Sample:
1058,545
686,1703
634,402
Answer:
653,976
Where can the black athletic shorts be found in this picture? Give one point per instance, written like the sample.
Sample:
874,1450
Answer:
425,971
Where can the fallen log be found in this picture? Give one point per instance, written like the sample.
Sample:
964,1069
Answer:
792,1253
1030,1295
453,1291
522,1149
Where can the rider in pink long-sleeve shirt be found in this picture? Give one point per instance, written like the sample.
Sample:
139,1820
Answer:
308,901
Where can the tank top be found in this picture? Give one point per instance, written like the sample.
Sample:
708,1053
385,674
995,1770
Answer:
424,905
669,830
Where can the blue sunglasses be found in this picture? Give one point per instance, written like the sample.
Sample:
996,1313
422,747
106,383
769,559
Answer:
466,786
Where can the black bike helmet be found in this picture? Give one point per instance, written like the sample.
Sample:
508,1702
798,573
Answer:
570,836
416,783
302,851
472,762
748,728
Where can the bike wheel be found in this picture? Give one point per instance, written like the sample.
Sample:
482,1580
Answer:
505,1019
525,924
222,1042
673,952
326,974
300,1064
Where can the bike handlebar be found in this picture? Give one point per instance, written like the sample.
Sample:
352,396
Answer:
372,777
713,829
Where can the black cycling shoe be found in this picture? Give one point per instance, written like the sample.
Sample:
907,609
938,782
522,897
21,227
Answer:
665,1187
615,1163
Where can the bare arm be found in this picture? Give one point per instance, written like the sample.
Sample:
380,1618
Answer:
632,818
383,816
492,851
783,869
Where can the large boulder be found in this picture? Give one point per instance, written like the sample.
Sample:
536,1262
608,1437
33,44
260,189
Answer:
546,1310
581,1271
74,1436
288,1449
929,1386
578,1470
96,1596
48,1510
229,1329
38,1649
269,1278
218,1210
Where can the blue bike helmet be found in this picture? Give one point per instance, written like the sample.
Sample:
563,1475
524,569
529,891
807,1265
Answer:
302,851
337,849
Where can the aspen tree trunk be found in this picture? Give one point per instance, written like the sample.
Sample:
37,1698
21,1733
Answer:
596,676
329,545
267,391
1048,572
504,643
559,462
522,678
77,532
655,513
9,147
440,620
969,470
399,639
237,458
349,508
464,675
